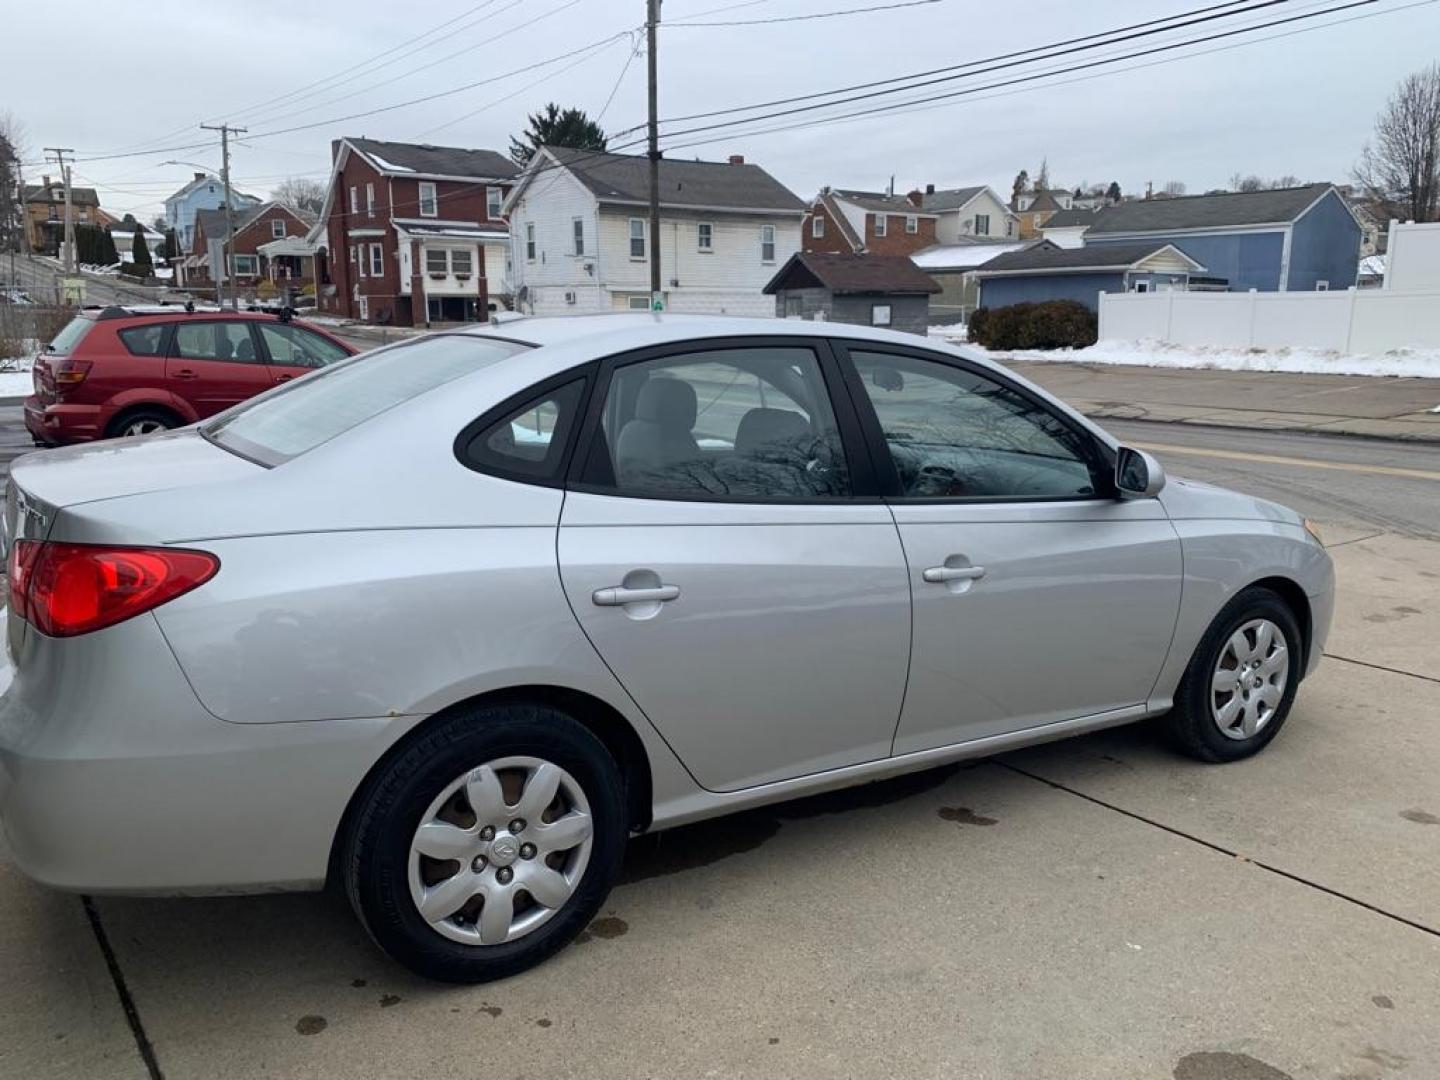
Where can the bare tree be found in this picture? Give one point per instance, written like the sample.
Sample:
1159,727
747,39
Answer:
1400,167
1252,182
300,193
1042,179
1174,187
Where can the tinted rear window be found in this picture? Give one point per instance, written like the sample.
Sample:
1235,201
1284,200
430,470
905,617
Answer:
74,332
278,426
144,340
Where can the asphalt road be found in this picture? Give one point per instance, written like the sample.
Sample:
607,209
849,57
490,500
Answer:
41,280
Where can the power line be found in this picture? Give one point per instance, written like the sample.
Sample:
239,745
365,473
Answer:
807,18
718,10
630,56
966,64
1169,46
928,104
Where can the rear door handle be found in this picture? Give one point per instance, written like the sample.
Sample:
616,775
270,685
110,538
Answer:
618,595
185,373
939,575
283,378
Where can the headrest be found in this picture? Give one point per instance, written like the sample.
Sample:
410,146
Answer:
667,402
760,427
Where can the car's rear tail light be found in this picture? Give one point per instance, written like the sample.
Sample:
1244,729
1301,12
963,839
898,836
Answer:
68,589
70,373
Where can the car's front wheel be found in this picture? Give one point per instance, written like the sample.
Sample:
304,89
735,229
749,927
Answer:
487,843
1237,691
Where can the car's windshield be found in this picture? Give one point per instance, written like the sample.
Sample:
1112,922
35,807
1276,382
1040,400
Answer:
276,427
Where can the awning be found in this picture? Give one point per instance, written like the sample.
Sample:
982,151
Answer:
452,232
288,245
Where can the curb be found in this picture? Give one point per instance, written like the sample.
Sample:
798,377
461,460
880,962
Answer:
1409,440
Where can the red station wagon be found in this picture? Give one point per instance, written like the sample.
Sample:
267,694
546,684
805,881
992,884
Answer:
130,371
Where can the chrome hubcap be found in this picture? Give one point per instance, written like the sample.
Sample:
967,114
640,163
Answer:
500,850
1249,679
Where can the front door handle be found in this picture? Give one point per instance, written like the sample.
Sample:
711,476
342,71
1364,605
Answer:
283,378
185,373
939,575
618,595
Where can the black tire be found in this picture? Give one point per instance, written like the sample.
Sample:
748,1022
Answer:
376,850
163,417
1191,726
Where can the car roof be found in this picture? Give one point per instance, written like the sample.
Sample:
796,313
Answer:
177,313
624,330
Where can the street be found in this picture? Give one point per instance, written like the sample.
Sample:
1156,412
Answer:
41,278
1098,907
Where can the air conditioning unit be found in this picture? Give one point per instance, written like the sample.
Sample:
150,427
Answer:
570,298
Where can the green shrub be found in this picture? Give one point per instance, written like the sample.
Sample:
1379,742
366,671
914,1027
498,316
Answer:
1047,324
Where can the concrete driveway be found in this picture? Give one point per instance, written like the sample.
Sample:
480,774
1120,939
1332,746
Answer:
1097,908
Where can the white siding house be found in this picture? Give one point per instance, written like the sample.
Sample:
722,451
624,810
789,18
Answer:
968,214
579,235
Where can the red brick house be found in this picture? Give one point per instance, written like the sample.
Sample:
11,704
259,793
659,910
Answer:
254,229
414,232
841,222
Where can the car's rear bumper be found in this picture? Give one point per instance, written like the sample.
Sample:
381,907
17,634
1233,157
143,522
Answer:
116,781
60,423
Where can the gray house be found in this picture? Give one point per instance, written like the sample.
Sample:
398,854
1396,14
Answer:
1047,271
865,290
1301,238
954,266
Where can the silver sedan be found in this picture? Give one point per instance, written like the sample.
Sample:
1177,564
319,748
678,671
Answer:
448,622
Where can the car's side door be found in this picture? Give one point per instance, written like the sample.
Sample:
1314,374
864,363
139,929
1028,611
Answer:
215,363
294,351
1038,595
718,549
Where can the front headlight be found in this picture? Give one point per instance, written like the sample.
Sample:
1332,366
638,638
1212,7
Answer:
1314,531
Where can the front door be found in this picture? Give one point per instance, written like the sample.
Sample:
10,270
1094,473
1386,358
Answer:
294,351
715,557
215,363
1038,596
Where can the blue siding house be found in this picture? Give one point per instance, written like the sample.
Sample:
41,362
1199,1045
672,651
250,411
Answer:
1047,271
1289,239
202,193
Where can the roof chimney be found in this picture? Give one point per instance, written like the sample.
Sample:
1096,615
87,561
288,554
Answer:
915,197
929,189
45,182
737,159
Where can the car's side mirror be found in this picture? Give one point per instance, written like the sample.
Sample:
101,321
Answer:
1137,474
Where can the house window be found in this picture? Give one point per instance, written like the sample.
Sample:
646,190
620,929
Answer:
638,303
1009,226
529,241
817,226
352,254
982,224
428,207
637,238
494,198
705,236
461,264
369,200
1322,285
354,200
1142,286
577,229
246,265
377,261
879,224
364,309
912,224
1035,219
880,315
277,228
435,264
767,243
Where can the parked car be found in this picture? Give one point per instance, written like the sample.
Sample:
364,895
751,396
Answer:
448,623
133,370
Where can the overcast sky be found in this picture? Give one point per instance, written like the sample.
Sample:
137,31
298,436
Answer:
127,76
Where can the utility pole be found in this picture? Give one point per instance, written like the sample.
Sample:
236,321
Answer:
227,258
652,26
68,254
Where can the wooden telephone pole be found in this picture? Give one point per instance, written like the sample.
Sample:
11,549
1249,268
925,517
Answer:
227,257
68,244
652,26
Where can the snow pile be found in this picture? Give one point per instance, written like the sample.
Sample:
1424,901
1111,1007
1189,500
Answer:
15,378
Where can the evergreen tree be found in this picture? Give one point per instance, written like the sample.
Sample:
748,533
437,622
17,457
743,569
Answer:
1113,192
554,126
1019,187
141,265
108,256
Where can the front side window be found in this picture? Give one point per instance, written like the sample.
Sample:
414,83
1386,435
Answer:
637,238
705,236
428,202
750,424
144,340
369,200
277,228
955,434
377,261
982,224
215,341
577,229
817,226
494,199
912,223
880,315
879,224
354,200
530,241
308,412
637,303
435,264
246,265
292,346
529,443
461,262
767,243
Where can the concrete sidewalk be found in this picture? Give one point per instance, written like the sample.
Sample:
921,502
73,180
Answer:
1365,405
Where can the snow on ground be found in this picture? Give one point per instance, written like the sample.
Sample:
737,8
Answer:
1422,363
16,384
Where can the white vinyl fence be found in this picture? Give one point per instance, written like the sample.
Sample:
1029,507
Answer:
1352,321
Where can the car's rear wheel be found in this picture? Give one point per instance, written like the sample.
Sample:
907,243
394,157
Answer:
141,422
488,843
1237,691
